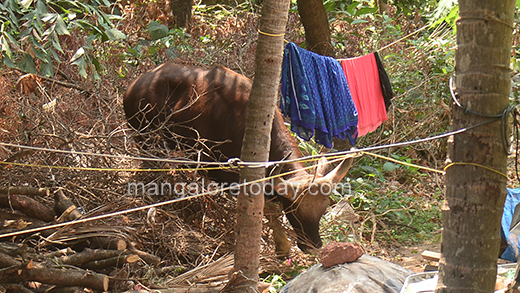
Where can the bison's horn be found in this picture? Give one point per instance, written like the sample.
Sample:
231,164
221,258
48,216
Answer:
341,170
286,188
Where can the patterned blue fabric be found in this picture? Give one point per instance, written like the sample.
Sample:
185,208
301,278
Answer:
512,251
315,95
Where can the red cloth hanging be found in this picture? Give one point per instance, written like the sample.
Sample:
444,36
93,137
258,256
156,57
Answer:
365,88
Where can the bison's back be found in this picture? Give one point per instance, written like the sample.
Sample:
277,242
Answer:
194,102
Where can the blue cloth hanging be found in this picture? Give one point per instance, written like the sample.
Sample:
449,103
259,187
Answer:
315,95
513,241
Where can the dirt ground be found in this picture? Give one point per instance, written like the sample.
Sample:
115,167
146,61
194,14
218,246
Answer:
409,257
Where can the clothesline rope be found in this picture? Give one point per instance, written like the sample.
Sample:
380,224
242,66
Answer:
226,165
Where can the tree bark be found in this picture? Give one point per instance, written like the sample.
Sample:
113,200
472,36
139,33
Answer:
316,24
257,141
181,10
474,193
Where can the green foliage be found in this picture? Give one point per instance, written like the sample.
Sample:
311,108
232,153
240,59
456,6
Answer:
351,11
408,7
173,42
409,218
30,30
276,282
446,11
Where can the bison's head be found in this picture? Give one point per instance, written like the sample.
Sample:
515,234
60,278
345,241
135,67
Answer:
305,200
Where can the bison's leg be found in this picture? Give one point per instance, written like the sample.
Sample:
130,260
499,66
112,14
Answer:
281,242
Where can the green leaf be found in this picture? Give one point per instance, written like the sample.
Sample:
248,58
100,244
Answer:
27,64
49,30
388,166
41,7
5,46
95,62
352,7
55,55
82,66
365,10
47,69
61,27
329,6
356,21
8,62
115,34
26,3
50,17
56,43
157,30
100,31
444,8
40,55
79,53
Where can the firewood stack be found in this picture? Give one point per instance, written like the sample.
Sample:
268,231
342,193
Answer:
73,258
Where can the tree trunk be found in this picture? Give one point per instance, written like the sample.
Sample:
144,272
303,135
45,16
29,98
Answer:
316,24
474,193
383,6
181,10
257,140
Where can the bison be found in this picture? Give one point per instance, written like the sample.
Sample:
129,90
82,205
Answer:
193,103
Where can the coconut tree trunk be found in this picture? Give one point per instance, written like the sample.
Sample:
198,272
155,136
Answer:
257,140
316,24
475,186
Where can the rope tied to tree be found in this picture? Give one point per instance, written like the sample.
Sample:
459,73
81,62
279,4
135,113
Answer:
503,117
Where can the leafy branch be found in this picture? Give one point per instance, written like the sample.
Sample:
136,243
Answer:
30,33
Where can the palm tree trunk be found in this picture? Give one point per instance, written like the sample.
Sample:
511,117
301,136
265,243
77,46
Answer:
257,140
475,194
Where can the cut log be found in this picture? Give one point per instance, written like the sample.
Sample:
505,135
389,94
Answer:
25,190
7,261
64,207
67,290
14,288
61,277
117,261
12,222
146,257
27,205
108,242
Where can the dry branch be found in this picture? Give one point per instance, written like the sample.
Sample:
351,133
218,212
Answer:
60,253
64,207
27,205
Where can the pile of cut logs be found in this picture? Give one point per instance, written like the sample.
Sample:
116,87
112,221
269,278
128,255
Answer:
60,265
